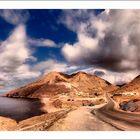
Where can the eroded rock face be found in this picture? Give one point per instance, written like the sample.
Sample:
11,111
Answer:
128,106
132,105
54,83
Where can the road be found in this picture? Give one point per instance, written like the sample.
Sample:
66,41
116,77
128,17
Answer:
122,120
81,119
103,118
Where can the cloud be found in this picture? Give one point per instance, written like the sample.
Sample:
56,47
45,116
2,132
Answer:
14,51
119,78
54,65
14,17
116,78
109,40
42,43
73,18
17,17
14,57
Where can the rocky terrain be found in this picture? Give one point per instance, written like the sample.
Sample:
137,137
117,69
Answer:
63,90
60,93
78,84
36,123
133,86
130,105
128,96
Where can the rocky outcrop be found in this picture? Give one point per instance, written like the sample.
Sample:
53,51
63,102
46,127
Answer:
132,105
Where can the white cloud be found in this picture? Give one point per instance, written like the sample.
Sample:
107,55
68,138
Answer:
14,55
119,78
76,19
14,51
17,17
81,49
109,40
25,72
42,42
53,65
116,78
14,16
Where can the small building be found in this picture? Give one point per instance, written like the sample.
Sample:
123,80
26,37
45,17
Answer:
126,94
130,93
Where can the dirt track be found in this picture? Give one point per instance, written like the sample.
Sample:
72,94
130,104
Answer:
81,119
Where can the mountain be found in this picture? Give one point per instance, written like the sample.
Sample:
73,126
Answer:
128,96
128,93
54,83
133,86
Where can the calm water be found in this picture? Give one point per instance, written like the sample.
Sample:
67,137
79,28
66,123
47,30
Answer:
20,109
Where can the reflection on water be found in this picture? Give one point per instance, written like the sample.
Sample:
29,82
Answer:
20,109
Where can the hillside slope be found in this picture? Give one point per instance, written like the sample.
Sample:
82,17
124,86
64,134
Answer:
54,83
133,86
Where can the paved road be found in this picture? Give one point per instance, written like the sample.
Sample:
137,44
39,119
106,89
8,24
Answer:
119,119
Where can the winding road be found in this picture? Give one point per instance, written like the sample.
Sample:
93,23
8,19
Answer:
98,118
121,120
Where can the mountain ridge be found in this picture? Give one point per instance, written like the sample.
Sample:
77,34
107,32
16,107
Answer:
132,86
55,83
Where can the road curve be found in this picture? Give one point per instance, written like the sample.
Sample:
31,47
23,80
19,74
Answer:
121,120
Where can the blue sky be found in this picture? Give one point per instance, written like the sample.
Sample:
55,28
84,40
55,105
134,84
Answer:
42,24
35,42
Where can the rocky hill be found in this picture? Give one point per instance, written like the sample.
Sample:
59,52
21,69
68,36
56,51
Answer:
128,96
55,83
133,86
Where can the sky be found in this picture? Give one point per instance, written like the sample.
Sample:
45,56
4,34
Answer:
35,42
